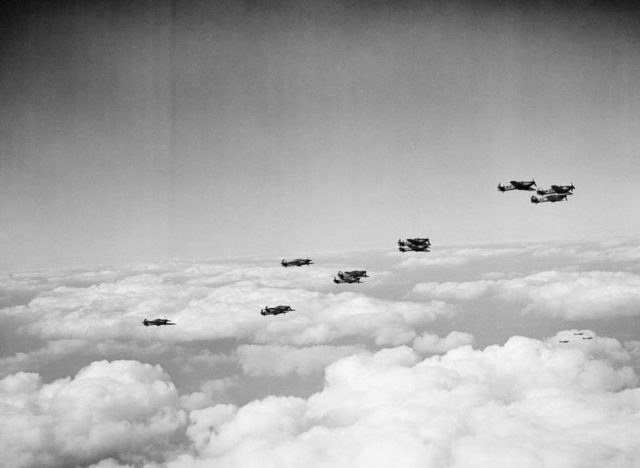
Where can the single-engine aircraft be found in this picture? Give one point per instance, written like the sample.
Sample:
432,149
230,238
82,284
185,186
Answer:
517,185
564,341
157,322
407,247
550,192
578,333
553,197
416,241
568,189
346,279
587,337
277,310
353,274
296,262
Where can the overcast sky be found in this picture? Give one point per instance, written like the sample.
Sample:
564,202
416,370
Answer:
149,130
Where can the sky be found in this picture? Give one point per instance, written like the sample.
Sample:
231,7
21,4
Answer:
158,159
152,131
497,356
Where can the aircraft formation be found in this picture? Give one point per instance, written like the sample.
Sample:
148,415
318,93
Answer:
554,194
577,334
418,244
349,277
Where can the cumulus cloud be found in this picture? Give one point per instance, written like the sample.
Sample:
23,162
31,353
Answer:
432,344
107,409
571,295
527,403
283,360
456,256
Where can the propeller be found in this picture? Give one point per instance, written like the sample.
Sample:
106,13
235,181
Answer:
572,186
534,181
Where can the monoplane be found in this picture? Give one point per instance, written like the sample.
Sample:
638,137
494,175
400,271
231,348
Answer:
518,185
353,274
277,310
346,279
587,337
410,247
564,341
553,197
157,322
563,188
296,262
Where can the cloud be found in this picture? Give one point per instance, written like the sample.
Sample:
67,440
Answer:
107,409
456,256
114,311
284,360
527,403
433,344
570,295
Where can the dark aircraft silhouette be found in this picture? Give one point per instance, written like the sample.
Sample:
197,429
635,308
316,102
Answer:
296,262
277,310
578,333
414,248
554,197
561,189
157,322
564,341
353,274
420,242
587,337
346,279
517,185
415,245
558,190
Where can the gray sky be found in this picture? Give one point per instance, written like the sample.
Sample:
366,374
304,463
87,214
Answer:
145,131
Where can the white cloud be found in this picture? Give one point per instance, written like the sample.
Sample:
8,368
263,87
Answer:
107,409
571,295
455,256
283,360
114,311
527,403
432,344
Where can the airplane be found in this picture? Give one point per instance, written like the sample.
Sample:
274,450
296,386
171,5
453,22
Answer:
564,341
157,322
554,197
578,333
562,189
353,274
281,309
587,337
550,191
416,241
346,279
296,262
517,185
414,247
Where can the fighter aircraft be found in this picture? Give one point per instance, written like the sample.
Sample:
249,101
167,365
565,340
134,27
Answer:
517,185
346,279
587,337
353,274
296,262
416,241
564,341
568,189
408,247
157,322
554,197
281,309
578,333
